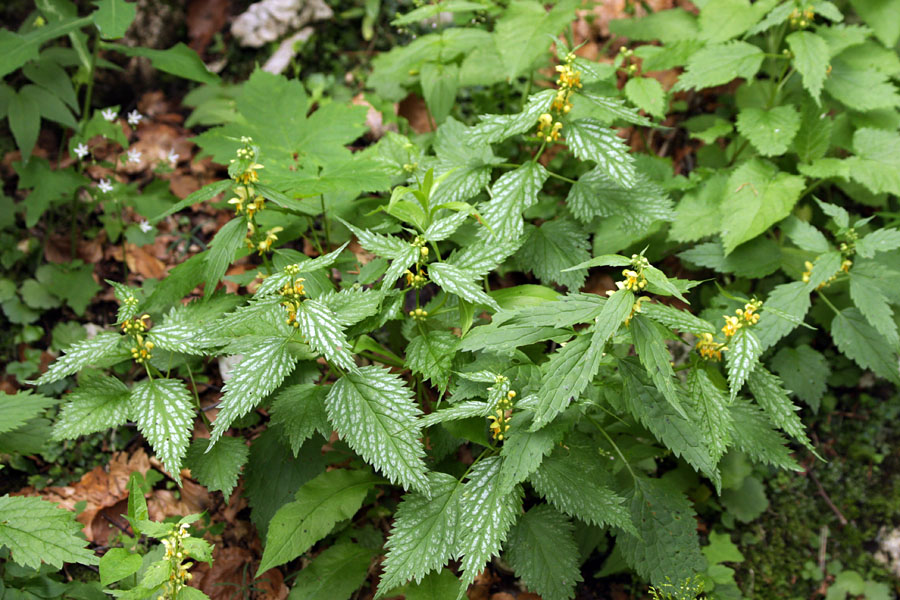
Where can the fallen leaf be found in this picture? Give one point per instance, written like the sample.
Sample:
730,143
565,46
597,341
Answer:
192,498
142,262
270,586
230,574
204,19
413,109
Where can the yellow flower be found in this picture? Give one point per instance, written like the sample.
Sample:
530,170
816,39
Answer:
709,348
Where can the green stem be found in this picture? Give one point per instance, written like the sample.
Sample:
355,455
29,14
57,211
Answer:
613,444
550,173
85,111
197,396
828,302
325,222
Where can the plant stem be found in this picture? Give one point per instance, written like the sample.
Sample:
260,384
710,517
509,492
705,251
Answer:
325,222
828,302
613,444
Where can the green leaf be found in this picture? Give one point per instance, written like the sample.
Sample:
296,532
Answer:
810,59
813,140
543,553
300,410
742,357
875,308
460,282
80,355
164,412
845,81
791,299
882,17
721,549
334,574
439,84
54,79
317,507
424,533
496,128
876,162
769,131
117,564
439,585
204,194
72,282
323,332
24,118
256,376
573,480
595,194
512,193
219,468
431,354
759,196
19,408
647,93
590,140
99,403
50,106
667,26
374,413
667,549
550,249
178,60
880,240
766,389
717,64
524,450
17,49
650,345
468,163
804,372
753,434
38,531
711,405
221,252
674,318
861,342
826,266
487,509
726,19
805,236
112,18
523,34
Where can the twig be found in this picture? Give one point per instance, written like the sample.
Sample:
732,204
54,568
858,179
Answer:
828,501
823,544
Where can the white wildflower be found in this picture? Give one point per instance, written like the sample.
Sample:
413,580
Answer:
145,226
109,114
172,158
81,150
134,156
105,186
134,117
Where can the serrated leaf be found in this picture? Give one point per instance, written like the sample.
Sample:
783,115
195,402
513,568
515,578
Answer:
549,250
711,405
424,533
334,574
300,410
769,131
431,354
176,337
222,249
323,332
512,193
19,408
641,205
374,413
543,553
460,410
753,434
668,548
876,162
824,268
97,404
697,214
805,236
37,531
219,468
460,282
793,300
255,377
858,340
650,346
590,140
742,357
647,93
611,109
804,372
766,389
880,240
845,81
80,355
758,197
468,163
164,412
523,449
674,318
875,308
484,256
441,229
717,64
274,282
813,140
496,128
810,59
317,507
487,509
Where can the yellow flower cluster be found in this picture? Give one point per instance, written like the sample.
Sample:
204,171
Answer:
634,281
845,268
174,553
742,316
502,416
243,200
709,348
293,295
635,308
547,129
568,81
249,174
135,328
418,314
802,18
265,245
418,279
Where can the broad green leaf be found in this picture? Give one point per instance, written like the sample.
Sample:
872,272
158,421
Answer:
457,281
805,236
596,194
483,257
219,468
424,533
590,140
717,64
512,193
80,355
176,337
824,268
467,162
221,252
804,372
50,106
667,549
439,84
667,26
50,75
317,507
813,140
334,574
726,19
650,345
880,240
24,118
113,17
164,412
875,308
742,357
674,318
37,531
753,434
647,93
431,355
566,375
117,564
19,408
99,403
858,340
441,229
697,214
258,374
16,49
758,196
776,16
711,405
178,60
810,59
549,250
876,163
496,128
300,410
770,131
523,34
789,298
543,553
882,17
374,413
770,395
524,450
845,81
438,585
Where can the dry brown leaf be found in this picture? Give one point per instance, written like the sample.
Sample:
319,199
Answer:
231,571
192,498
413,109
204,19
140,261
271,586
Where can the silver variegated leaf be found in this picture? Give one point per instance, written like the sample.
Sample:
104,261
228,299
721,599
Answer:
323,331
164,412
80,355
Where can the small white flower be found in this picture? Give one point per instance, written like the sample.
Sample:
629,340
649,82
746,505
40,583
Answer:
172,158
105,186
134,117
109,114
145,226
134,156
81,150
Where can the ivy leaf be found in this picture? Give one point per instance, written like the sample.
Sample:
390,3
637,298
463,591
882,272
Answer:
860,341
590,140
650,345
460,282
496,128
759,196
261,371
487,510
543,553
641,205
647,93
512,193
164,412
711,405
317,507
804,372
36,531
717,64
300,410
551,248
323,332
770,131
374,413
742,357
667,548
875,308
431,354
880,240
766,389
424,533
80,355
99,403
810,59
221,252
753,434
219,468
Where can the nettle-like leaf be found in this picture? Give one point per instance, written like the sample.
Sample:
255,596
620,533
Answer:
771,396
590,140
543,553
335,573
442,228
300,411
858,340
496,128
875,307
512,193
810,59
711,405
176,337
770,131
374,413
401,253
791,299
880,240
80,355
424,533
257,375
674,318
753,434
274,282
460,282
875,164
742,357
431,355
37,531
553,247
484,256
468,162
164,412
221,252
323,332
717,64
595,194
650,344
804,372
524,450
219,468
19,408
97,404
